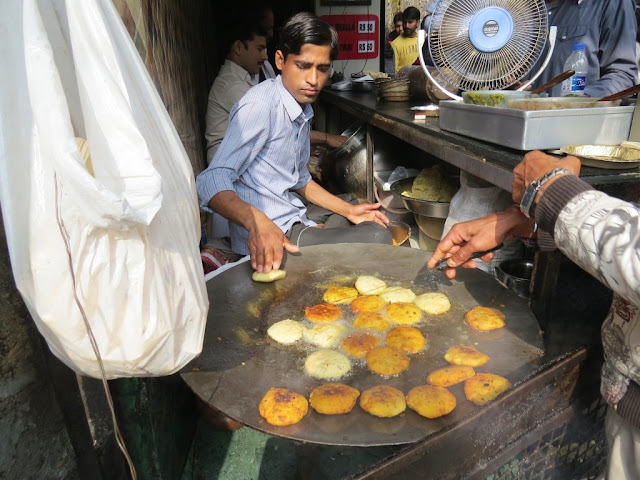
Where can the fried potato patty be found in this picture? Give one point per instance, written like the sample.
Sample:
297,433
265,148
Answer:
398,294
340,295
327,364
286,331
447,376
359,344
281,407
367,303
270,276
431,401
323,312
324,335
483,387
404,313
484,318
387,361
372,321
368,285
465,355
333,398
433,303
407,339
383,401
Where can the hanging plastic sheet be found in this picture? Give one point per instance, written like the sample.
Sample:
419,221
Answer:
109,238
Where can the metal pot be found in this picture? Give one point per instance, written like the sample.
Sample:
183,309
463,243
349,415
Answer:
344,169
515,274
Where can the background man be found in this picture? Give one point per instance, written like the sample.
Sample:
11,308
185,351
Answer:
405,46
246,54
262,160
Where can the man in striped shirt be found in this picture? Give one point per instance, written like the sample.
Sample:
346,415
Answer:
262,162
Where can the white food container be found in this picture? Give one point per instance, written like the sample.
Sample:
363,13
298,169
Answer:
537,129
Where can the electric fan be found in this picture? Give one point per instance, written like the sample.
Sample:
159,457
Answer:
486,44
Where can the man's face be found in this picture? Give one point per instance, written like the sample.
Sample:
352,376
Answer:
398,27
305,74
409,27
267,24
253,55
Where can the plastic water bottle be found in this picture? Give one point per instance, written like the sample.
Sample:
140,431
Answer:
577,62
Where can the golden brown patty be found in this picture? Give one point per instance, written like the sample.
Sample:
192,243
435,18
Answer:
407,339
333,398
323,312
465,355
447,376
484,318
387,361
359,344
371,320
340,295
367,303
483,387
404,313
383,401
433,303
431,401
281,407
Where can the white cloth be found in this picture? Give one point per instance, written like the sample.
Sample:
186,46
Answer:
623,448
230,85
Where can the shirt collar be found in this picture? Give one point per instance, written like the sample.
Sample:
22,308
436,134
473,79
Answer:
292,107
240,72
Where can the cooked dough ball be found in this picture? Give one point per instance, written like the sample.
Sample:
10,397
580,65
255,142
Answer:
340,295
333,398
433,303
286,331
327,364
407,339
270,276
323,312
447,376
404,313
431,401
398,294
387,361
483,387
359,344
367,285
484,318
281,407
383,401
372,321
465,355
367,303
324,335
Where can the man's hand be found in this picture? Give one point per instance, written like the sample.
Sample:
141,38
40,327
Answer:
367,212
478,235
266,243
334,141
536,164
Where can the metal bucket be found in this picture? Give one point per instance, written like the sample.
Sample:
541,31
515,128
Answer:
344,169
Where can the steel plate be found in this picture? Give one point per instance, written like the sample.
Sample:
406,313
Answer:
416,205
239,363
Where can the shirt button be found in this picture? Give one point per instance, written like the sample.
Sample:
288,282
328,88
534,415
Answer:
564,37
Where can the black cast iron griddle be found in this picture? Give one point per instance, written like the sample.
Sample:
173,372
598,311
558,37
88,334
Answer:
239,362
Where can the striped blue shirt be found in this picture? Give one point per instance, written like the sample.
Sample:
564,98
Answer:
262,157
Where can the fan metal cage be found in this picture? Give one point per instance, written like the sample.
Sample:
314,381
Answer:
487,44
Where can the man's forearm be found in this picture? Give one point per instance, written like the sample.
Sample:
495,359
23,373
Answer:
317,195
228,204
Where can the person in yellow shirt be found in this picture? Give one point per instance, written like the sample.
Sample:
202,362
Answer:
405,47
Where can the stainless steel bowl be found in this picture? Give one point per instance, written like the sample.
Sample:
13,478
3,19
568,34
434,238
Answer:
515,274
421,207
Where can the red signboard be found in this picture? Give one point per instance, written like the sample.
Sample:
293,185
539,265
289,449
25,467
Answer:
358,35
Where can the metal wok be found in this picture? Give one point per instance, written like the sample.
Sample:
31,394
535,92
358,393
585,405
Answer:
239,363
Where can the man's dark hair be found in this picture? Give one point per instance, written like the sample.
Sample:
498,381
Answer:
304,28
243,31
410,13
397,18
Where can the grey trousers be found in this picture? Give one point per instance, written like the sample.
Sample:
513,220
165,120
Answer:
337,229
623,442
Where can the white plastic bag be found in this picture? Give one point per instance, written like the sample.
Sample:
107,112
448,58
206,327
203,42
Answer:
120,246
